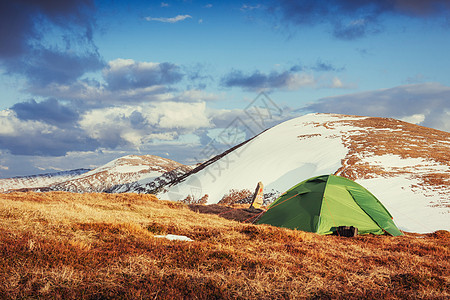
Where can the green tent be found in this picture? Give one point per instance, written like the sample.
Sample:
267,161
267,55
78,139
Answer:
322,204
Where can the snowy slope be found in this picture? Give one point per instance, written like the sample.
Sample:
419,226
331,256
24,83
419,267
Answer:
122,171
150,185
406,166
277,157
40,180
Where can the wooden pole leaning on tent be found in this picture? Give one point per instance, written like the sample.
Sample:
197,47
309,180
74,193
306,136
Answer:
258,196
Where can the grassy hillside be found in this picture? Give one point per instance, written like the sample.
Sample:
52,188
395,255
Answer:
91,246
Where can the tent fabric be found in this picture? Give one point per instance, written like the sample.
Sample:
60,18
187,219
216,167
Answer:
323,203
296,208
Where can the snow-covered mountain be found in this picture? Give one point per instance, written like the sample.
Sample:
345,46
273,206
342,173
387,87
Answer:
151,185
34,181
118,175
407,167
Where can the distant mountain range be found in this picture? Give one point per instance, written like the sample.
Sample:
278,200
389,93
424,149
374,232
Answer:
124,174
407,167
36,181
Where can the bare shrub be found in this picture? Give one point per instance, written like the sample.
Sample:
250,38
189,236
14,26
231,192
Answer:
236,197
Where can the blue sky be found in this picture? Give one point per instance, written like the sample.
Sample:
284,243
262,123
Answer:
84,82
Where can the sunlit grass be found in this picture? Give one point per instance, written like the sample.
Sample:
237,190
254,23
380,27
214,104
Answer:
80,246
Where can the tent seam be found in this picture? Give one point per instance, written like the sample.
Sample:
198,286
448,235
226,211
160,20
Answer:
321,204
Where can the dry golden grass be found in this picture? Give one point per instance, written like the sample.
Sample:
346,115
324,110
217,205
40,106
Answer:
100,246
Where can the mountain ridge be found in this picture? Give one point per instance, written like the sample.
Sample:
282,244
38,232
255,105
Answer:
406,166
120,172
39,180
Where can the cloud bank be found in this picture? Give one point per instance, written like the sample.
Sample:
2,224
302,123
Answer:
128,74
267,81
26,48
426,104
20,22
295,77
129,106
349,19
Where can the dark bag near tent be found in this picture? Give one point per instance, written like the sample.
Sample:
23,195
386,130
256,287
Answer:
347,231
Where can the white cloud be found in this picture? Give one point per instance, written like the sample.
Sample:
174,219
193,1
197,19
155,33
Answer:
178,18
196,95
415,119
137,125
296,81
337,83
112,123
12,126
183,115
120,64
32,137
7,120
